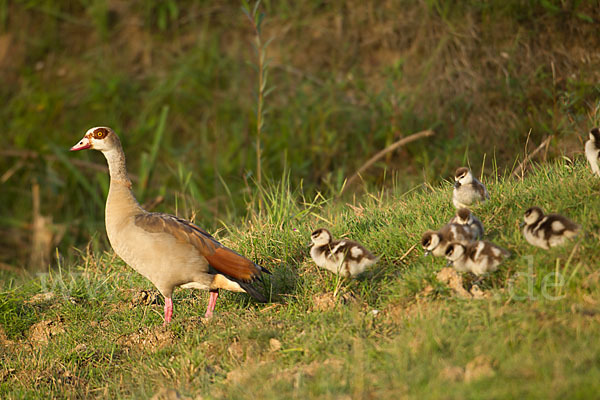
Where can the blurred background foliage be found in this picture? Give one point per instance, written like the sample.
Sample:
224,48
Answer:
177,80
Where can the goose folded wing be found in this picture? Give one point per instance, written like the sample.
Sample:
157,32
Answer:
221,258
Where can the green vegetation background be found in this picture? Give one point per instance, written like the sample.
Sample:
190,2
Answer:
349,78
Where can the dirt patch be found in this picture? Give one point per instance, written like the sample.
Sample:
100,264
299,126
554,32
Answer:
417,309
144,298
274,345
454,281
452,373
148,339
246,350
236,350
312,368
328,301
43,331
41,298
242,373
478,368
323,302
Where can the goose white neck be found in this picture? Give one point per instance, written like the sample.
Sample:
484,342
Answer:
116,166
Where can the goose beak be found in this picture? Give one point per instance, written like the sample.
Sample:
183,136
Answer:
427,252
457,184
449,263
84,143
522,224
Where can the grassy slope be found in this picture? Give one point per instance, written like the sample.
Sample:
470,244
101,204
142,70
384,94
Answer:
419,345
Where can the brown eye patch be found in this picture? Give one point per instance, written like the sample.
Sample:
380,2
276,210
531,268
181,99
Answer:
100,133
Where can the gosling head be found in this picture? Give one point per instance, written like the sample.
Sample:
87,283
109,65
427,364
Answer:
463,176
533,215
321,237
430,240
454,251
463,216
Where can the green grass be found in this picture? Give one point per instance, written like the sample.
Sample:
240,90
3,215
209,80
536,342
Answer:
520,342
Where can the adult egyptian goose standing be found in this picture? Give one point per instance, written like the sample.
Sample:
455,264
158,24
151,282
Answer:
343,257
592,150
468,190
547,231
167,250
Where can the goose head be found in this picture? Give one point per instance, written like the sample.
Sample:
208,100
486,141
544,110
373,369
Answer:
321,237
464,216
463,176
430,240
454,251
533,215
100,138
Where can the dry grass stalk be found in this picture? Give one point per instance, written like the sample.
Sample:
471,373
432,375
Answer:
389,149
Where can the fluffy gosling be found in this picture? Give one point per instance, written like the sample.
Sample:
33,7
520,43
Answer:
465,217
480,257
592,150
435,242
547,231
343,257
468,190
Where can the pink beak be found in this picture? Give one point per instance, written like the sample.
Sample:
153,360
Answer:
83,144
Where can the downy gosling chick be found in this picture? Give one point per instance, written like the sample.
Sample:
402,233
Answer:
592,150
343,257
465,217
547,231
435,242
480,257
467,189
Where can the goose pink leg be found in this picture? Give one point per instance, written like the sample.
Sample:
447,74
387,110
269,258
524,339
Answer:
168,310
212,301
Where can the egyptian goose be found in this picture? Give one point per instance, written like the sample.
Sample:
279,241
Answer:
167,250
343,257
547,231
468,190
479,257
592,150
465,217
435,242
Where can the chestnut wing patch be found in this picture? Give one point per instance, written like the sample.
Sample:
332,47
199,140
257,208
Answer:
221,258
